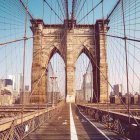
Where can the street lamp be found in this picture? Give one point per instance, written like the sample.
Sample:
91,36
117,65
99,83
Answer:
53,78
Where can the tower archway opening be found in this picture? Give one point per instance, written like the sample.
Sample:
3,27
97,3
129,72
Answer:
56,79
84,79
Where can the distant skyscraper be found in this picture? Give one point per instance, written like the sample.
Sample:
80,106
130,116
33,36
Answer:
6,85
26,87
6,82
12,77
117,89
17,82
87,85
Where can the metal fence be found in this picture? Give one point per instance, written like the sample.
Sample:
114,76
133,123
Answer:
18,128
116,122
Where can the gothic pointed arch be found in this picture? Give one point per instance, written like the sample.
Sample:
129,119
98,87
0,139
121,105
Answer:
87,53
54,51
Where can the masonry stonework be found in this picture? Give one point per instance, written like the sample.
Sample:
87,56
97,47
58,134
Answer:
69,43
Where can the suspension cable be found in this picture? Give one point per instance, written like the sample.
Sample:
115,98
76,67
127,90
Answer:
60,8
24,53
116,5
53,10
25,9
126,60
90,11
80,9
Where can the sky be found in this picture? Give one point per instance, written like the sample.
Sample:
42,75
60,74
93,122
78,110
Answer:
116,46
36,8
12,26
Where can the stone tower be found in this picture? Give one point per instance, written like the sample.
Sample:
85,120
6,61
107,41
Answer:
69,40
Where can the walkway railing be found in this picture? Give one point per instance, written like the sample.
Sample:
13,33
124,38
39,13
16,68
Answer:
17,128
117,122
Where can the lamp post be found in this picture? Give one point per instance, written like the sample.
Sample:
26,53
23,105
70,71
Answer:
53,78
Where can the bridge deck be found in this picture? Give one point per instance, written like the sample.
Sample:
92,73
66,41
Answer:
71,124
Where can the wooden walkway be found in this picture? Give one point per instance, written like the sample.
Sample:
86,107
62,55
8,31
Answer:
61,127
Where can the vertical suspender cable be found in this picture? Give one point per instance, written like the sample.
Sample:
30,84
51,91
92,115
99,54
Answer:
43,10
126,59
24,51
